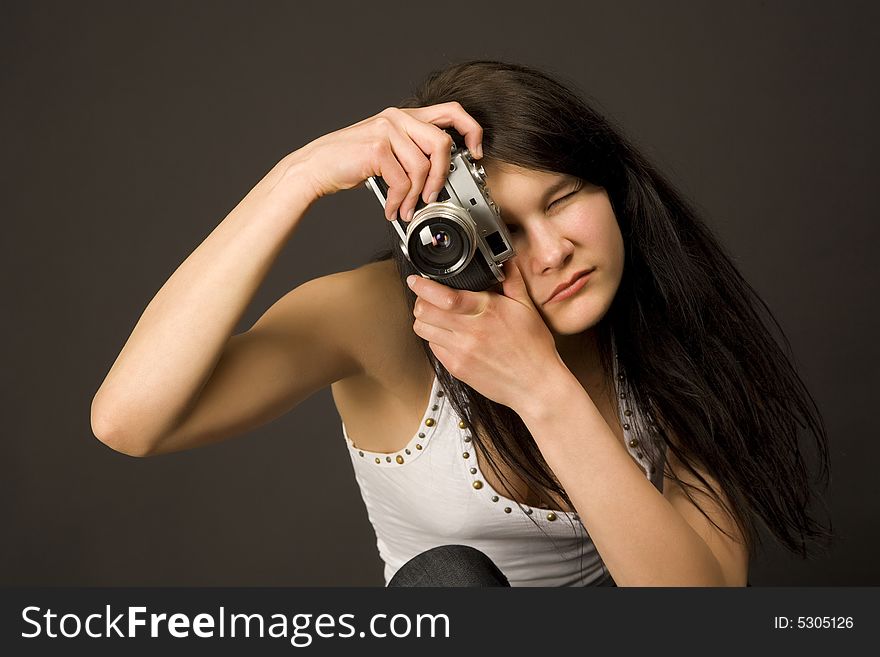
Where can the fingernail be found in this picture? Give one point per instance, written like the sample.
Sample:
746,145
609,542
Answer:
479,151
433,197
410,213
411,279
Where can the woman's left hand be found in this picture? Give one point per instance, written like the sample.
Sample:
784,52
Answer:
496,343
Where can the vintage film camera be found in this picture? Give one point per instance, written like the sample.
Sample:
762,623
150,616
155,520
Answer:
459,239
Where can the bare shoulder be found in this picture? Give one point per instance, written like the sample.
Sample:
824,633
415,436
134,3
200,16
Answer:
376,304
344,325
382,402
379,279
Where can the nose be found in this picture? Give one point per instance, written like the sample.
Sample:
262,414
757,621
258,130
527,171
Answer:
547,250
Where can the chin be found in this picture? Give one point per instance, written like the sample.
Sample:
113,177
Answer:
575,315
571,328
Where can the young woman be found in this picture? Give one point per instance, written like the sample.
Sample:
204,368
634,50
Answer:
615,412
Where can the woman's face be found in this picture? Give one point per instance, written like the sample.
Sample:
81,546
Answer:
561,227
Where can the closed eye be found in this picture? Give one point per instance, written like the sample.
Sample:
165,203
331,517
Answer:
563,198
513,229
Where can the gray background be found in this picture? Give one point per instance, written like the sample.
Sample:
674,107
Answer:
131,130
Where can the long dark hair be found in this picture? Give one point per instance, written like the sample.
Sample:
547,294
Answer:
692,335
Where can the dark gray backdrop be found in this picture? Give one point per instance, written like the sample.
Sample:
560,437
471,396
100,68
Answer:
131,130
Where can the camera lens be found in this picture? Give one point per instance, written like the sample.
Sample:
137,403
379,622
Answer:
439,240
438,246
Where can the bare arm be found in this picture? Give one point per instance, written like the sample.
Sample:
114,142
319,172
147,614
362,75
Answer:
181,334
182,380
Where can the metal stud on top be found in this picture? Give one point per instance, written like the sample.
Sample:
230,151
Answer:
478,483
628,413
399,457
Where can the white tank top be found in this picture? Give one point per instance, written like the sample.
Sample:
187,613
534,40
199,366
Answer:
432,493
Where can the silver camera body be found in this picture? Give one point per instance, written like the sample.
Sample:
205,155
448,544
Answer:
459,239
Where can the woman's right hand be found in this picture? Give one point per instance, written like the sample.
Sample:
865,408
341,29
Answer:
406,147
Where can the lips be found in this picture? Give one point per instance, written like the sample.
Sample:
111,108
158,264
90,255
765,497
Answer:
568,283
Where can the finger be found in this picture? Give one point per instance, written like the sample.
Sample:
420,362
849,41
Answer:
420,147
452,114
514,285
438,144
416,165
433,334
446,298
395,177
430,314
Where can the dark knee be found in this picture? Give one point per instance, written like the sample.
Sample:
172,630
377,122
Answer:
449,565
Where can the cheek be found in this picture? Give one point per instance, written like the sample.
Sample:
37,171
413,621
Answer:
598,232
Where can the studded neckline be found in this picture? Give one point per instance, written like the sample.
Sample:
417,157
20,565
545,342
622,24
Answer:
417,444
485,490
637,425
